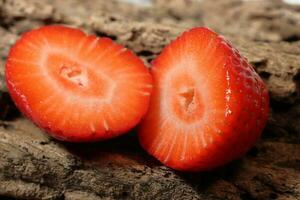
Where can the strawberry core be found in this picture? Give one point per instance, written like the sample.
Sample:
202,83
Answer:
188,98
73,74
187,103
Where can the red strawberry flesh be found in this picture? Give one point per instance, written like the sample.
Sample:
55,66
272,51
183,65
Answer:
208,106
77,87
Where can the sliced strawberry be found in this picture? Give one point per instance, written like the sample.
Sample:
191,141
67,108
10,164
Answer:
208,105
77,87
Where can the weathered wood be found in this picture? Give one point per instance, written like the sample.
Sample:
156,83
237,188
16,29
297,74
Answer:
34,166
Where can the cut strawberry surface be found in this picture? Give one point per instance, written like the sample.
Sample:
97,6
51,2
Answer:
208,105
77,87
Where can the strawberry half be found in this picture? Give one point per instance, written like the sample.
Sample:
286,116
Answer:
208,105
77,87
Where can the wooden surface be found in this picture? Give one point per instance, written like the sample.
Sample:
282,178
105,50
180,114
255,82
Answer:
34,166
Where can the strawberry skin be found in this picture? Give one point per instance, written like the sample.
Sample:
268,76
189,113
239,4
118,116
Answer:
208,105
75,86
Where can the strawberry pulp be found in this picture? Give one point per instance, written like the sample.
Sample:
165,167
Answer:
77,87
208,106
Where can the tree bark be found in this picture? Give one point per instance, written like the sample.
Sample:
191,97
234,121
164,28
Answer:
35,166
